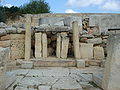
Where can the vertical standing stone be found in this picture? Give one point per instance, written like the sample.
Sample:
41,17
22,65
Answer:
86,50
76,39
111,75
44,45
64,48
28,37
58,48
38,45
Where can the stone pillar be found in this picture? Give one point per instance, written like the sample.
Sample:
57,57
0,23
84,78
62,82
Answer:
28,37
111,75
4,53
38,45
44,45
58,47
64,47
76,39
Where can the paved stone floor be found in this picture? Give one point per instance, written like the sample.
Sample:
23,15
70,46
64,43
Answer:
52,78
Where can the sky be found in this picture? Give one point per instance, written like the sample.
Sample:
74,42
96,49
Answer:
74,6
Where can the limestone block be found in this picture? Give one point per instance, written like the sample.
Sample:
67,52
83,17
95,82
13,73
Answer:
86,50
6,43
67,83
10,30
27,64
64,47
17,36
50,20
44,87
60,23
111,75
58,47
28,37
6,37
98,52
38,45
95,40
17,49
81,63
2,32
44,45
3,58
76,40
68,20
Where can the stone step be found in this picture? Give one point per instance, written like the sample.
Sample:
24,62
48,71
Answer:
53,63
57,62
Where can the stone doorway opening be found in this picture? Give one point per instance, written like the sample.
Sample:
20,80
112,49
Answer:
51,44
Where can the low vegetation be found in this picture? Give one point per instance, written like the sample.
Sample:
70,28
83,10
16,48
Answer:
33,7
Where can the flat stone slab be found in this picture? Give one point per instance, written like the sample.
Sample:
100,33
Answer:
67,83
52,78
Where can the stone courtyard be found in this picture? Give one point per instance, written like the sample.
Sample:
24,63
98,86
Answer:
60,52
53,78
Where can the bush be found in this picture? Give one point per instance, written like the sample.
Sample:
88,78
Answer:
35,7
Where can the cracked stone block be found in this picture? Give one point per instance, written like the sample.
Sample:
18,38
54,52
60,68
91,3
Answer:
98,52
44,87
81,63
86,50
66,83
27,64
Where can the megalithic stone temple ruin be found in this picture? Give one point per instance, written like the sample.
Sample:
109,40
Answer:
60,52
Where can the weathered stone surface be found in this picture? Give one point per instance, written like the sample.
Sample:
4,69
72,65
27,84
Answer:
2,32
44,87
111,73
68,20
98,52
81,63
86,51
104,22
76,40
2,25
52,28
44,45
17,36
27,64
58,47
7,37
20,30
54,63
10,30
97,78
50,20
87,36
64,47
38,45
67,83
17,49
3,59
95,40
28,37
5,44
